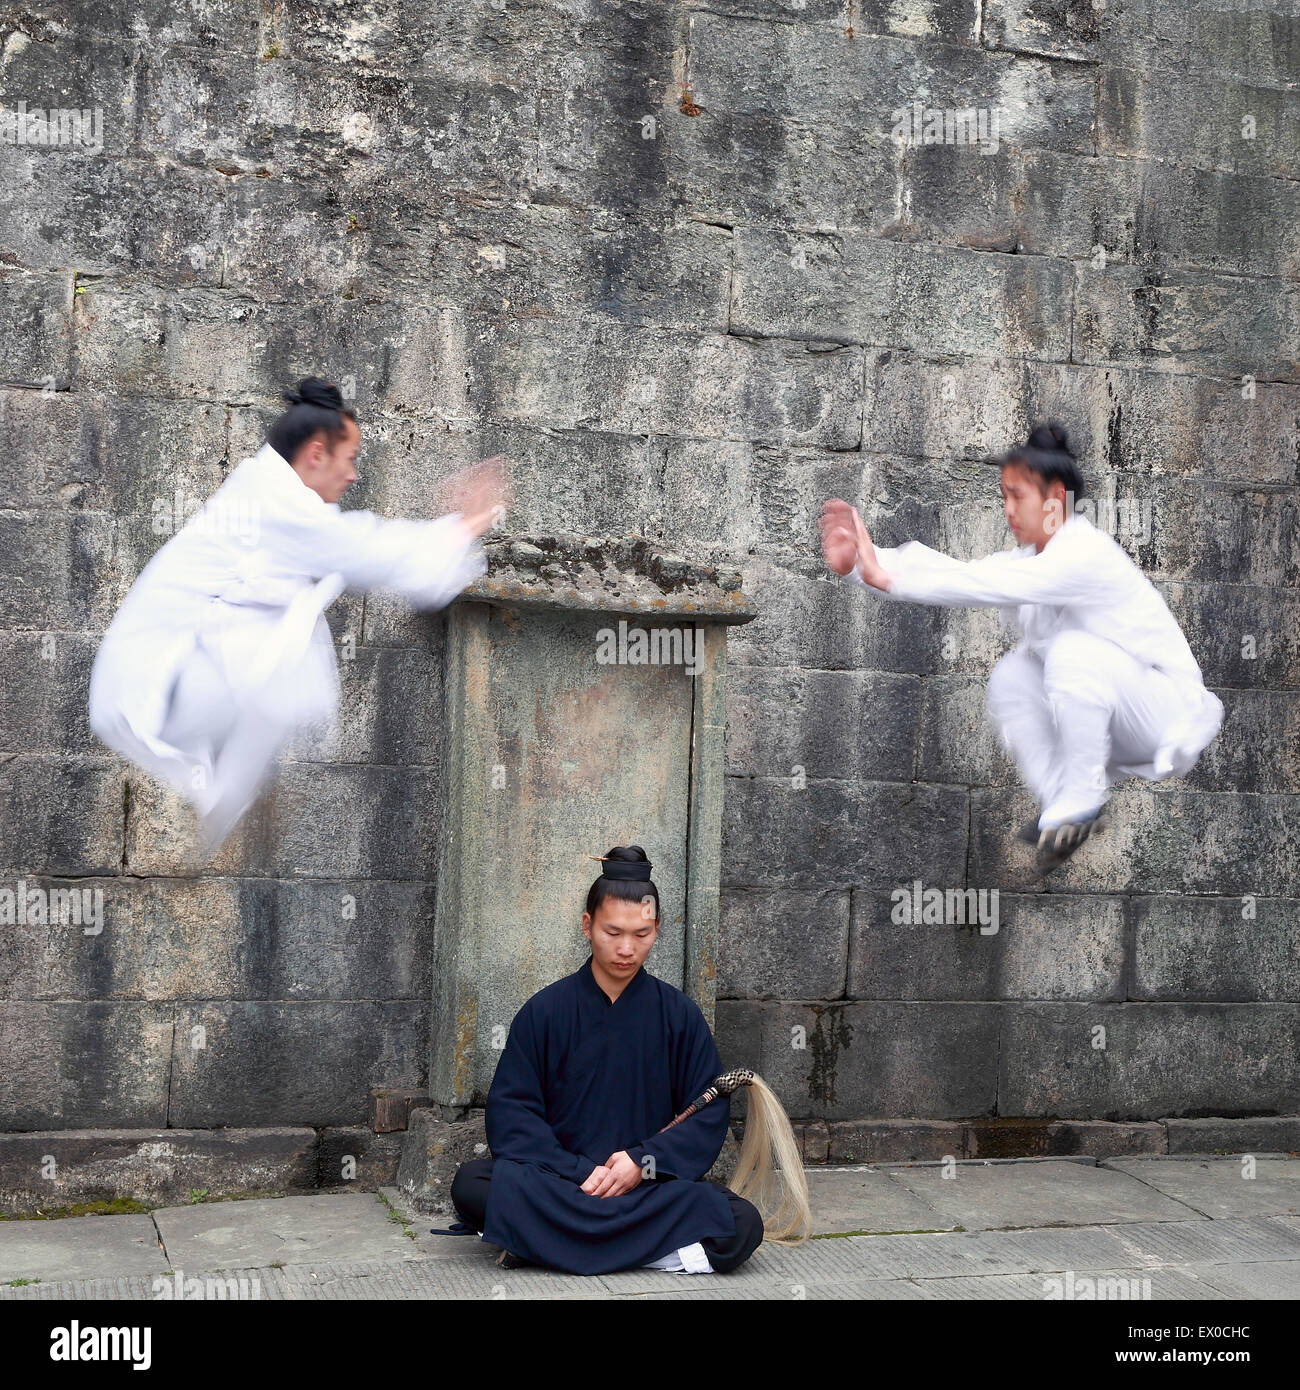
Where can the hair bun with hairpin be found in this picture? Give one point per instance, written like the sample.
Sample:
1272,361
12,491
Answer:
625,862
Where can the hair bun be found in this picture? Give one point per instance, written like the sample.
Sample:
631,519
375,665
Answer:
632,854
314,390
1050,436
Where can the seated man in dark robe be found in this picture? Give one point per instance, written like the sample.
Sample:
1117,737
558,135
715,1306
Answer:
581,1178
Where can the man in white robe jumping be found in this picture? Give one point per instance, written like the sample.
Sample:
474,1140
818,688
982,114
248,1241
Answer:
1103,684
221,649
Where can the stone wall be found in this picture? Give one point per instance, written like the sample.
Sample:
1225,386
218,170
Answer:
666,256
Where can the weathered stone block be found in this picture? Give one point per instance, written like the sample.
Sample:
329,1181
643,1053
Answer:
840,1061
1034,946
43,699
824,75
632,380
1021,1138
433,1150
227,25
815,1142
154,461
1224,949
73,1064
956,20
306,823
157,1167
34,327
851,288
58,571
1183,319
1155,842
1204,125
60,817
1259,1134
1241,635
390,710
843,724
956,740
775,836
359,1158
1251,752
807,618
1246,1059
783,944
733,167
1118,418
896,1141
249,1063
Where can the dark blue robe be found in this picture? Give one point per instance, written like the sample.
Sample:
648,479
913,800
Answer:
580,1079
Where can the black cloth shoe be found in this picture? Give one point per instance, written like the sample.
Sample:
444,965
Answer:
1056,845
1030,834
508,1261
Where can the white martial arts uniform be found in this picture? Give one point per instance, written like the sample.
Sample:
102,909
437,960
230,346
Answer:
1103,685
221,649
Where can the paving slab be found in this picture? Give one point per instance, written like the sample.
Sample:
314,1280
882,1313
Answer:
1240,1240
995,1196
1270,1279
868,1199
79,1247
1219,1187
222,1235
419,1226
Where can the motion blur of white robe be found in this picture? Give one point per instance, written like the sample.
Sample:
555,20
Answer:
221,649
1102,685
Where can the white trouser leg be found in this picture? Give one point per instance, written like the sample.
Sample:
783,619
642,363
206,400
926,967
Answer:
205,722
1019,708
1111,710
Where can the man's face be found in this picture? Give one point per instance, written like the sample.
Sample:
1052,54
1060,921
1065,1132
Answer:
621,935
1034,516
329,467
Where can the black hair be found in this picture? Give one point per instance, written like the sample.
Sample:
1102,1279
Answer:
628,889
315,406
1048,456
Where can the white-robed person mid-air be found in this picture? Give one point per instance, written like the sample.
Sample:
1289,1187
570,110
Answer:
221,650
1103,684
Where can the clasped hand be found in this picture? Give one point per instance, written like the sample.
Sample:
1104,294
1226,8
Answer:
618,1174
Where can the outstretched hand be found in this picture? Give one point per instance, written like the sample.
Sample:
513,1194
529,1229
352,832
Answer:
846,544
480,493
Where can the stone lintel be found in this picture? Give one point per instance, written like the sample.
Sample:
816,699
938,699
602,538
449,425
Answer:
628,575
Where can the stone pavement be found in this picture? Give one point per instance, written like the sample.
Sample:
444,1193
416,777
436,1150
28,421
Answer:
1150,1228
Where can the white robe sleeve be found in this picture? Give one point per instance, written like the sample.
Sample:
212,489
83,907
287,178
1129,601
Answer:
1056,574
428,562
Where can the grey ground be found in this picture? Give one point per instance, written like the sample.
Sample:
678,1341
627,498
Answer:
1168,1228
